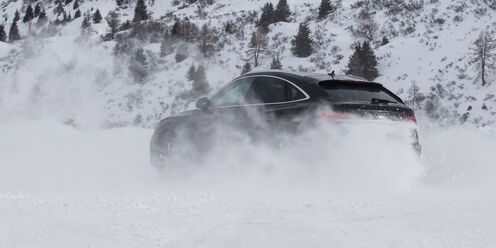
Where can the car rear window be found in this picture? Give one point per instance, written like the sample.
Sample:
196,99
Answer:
356,92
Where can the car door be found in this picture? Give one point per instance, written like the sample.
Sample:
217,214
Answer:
278,99
229,104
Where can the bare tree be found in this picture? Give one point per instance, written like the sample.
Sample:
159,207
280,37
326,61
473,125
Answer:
367,27
483,55
258,44
206,39
113,22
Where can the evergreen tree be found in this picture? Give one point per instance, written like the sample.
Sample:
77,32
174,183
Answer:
138,66
14,33
414,96
200,84
140,12
86,22
17,16
369,62
181,53
246,68
119,3
229,27
177,30
77,14
166,45
282,12
302,42
483,56
29,14
97,17
42,18
3,35
75,5
206,39
276,64
384,41
363,62
59,9
191,74
67,2
66,17
325,8
355,67
37,10
267,16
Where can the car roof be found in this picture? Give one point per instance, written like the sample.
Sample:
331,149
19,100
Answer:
310,77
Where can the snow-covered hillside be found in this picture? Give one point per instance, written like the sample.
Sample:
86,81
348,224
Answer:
60,72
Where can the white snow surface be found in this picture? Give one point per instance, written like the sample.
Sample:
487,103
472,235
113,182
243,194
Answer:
66,187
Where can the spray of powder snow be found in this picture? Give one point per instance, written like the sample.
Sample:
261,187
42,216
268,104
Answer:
340,157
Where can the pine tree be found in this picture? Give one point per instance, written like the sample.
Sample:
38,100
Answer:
414,95
119,3
3,35
42,18
483,56
276,64
206,39
267,16
355,67
17,16
200,84
369,62
140,12
325,8
75,5
246,68
67,2
14,33
181,53
97,17
29,14
166,45
59,9
177,30
77,14
384,41
66,17
37,10
138,66
191,74
229,27
282,12
302,42
86,22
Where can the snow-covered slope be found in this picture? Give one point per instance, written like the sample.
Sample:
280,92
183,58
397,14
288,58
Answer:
59,73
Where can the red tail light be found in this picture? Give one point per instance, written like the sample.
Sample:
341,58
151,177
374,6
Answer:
326,115
410,118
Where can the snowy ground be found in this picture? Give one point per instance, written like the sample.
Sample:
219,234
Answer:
63,187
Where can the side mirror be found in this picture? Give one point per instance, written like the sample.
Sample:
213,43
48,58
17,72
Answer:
203,103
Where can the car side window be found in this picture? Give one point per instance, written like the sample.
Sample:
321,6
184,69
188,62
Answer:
293,93
268,90
234,93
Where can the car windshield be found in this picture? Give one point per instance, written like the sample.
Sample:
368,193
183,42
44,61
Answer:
357,92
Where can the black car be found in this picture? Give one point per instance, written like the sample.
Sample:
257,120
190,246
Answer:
281,100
